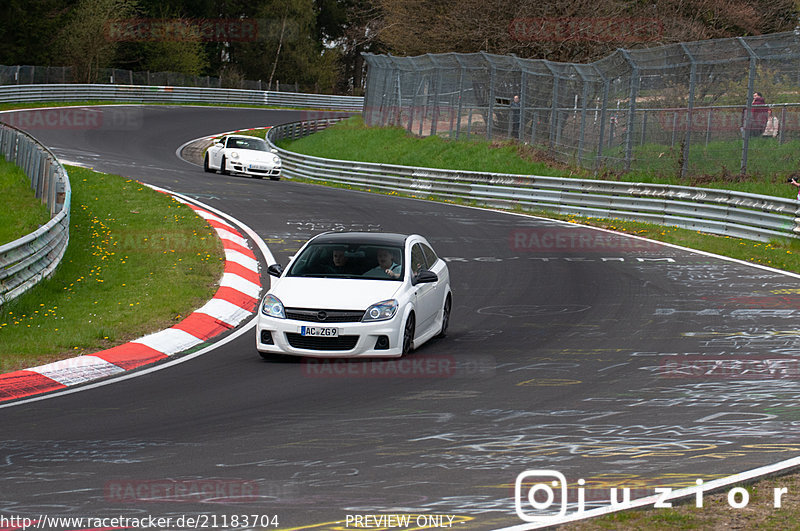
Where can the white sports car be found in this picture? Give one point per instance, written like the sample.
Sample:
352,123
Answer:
243,154
356,294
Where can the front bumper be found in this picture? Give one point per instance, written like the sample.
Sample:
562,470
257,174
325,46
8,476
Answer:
354,339
254,169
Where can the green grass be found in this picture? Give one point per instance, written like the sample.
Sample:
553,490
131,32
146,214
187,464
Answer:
28,213
352,140
718,165
137,262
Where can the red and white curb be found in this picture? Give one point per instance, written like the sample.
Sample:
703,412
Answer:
236,300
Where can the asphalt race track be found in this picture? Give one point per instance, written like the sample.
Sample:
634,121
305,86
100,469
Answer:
622,362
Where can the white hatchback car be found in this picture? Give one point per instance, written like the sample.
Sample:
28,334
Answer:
356,294
243,154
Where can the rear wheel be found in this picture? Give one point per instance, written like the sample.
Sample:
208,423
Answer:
408,335
205,164
448,304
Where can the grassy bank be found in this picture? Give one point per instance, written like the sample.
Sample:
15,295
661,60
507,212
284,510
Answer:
137,262
28,213
351,140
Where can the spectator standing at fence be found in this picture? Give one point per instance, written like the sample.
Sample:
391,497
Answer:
758,116
514,116
793,181
773,126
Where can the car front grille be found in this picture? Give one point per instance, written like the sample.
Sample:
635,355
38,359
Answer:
324,316
321,343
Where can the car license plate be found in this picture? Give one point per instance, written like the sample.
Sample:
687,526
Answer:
318,331
257,167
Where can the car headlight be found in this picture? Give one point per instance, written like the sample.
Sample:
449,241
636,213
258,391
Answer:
276,160
273,307
380,311
234,154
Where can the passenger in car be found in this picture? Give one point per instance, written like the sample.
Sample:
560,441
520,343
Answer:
341,263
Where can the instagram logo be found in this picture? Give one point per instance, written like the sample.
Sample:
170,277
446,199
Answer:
544,487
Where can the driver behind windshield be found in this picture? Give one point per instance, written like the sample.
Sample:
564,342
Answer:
386,268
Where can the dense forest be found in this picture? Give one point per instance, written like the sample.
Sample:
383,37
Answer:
318,43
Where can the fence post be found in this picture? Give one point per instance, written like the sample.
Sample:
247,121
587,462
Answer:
603,115
644,127
437,85
460,96
490,114
748,118
584,103
424,107
689,120
782,125
554,105
634,93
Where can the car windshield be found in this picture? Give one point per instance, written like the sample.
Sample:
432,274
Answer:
349,260
254,143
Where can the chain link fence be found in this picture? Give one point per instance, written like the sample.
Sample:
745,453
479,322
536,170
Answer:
35,75
687,109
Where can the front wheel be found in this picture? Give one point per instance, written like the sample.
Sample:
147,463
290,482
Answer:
448,304
408,335
222,169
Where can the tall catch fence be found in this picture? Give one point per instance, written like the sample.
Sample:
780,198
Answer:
682,109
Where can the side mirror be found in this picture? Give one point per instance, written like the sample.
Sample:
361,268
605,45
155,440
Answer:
424,277
275,270
273,150
219,144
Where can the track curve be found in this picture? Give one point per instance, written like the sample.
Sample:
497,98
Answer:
569,349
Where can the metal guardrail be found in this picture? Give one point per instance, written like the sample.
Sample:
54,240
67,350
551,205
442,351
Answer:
164,94
27,260
724,212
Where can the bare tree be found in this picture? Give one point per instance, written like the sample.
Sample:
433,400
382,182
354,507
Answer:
572,30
